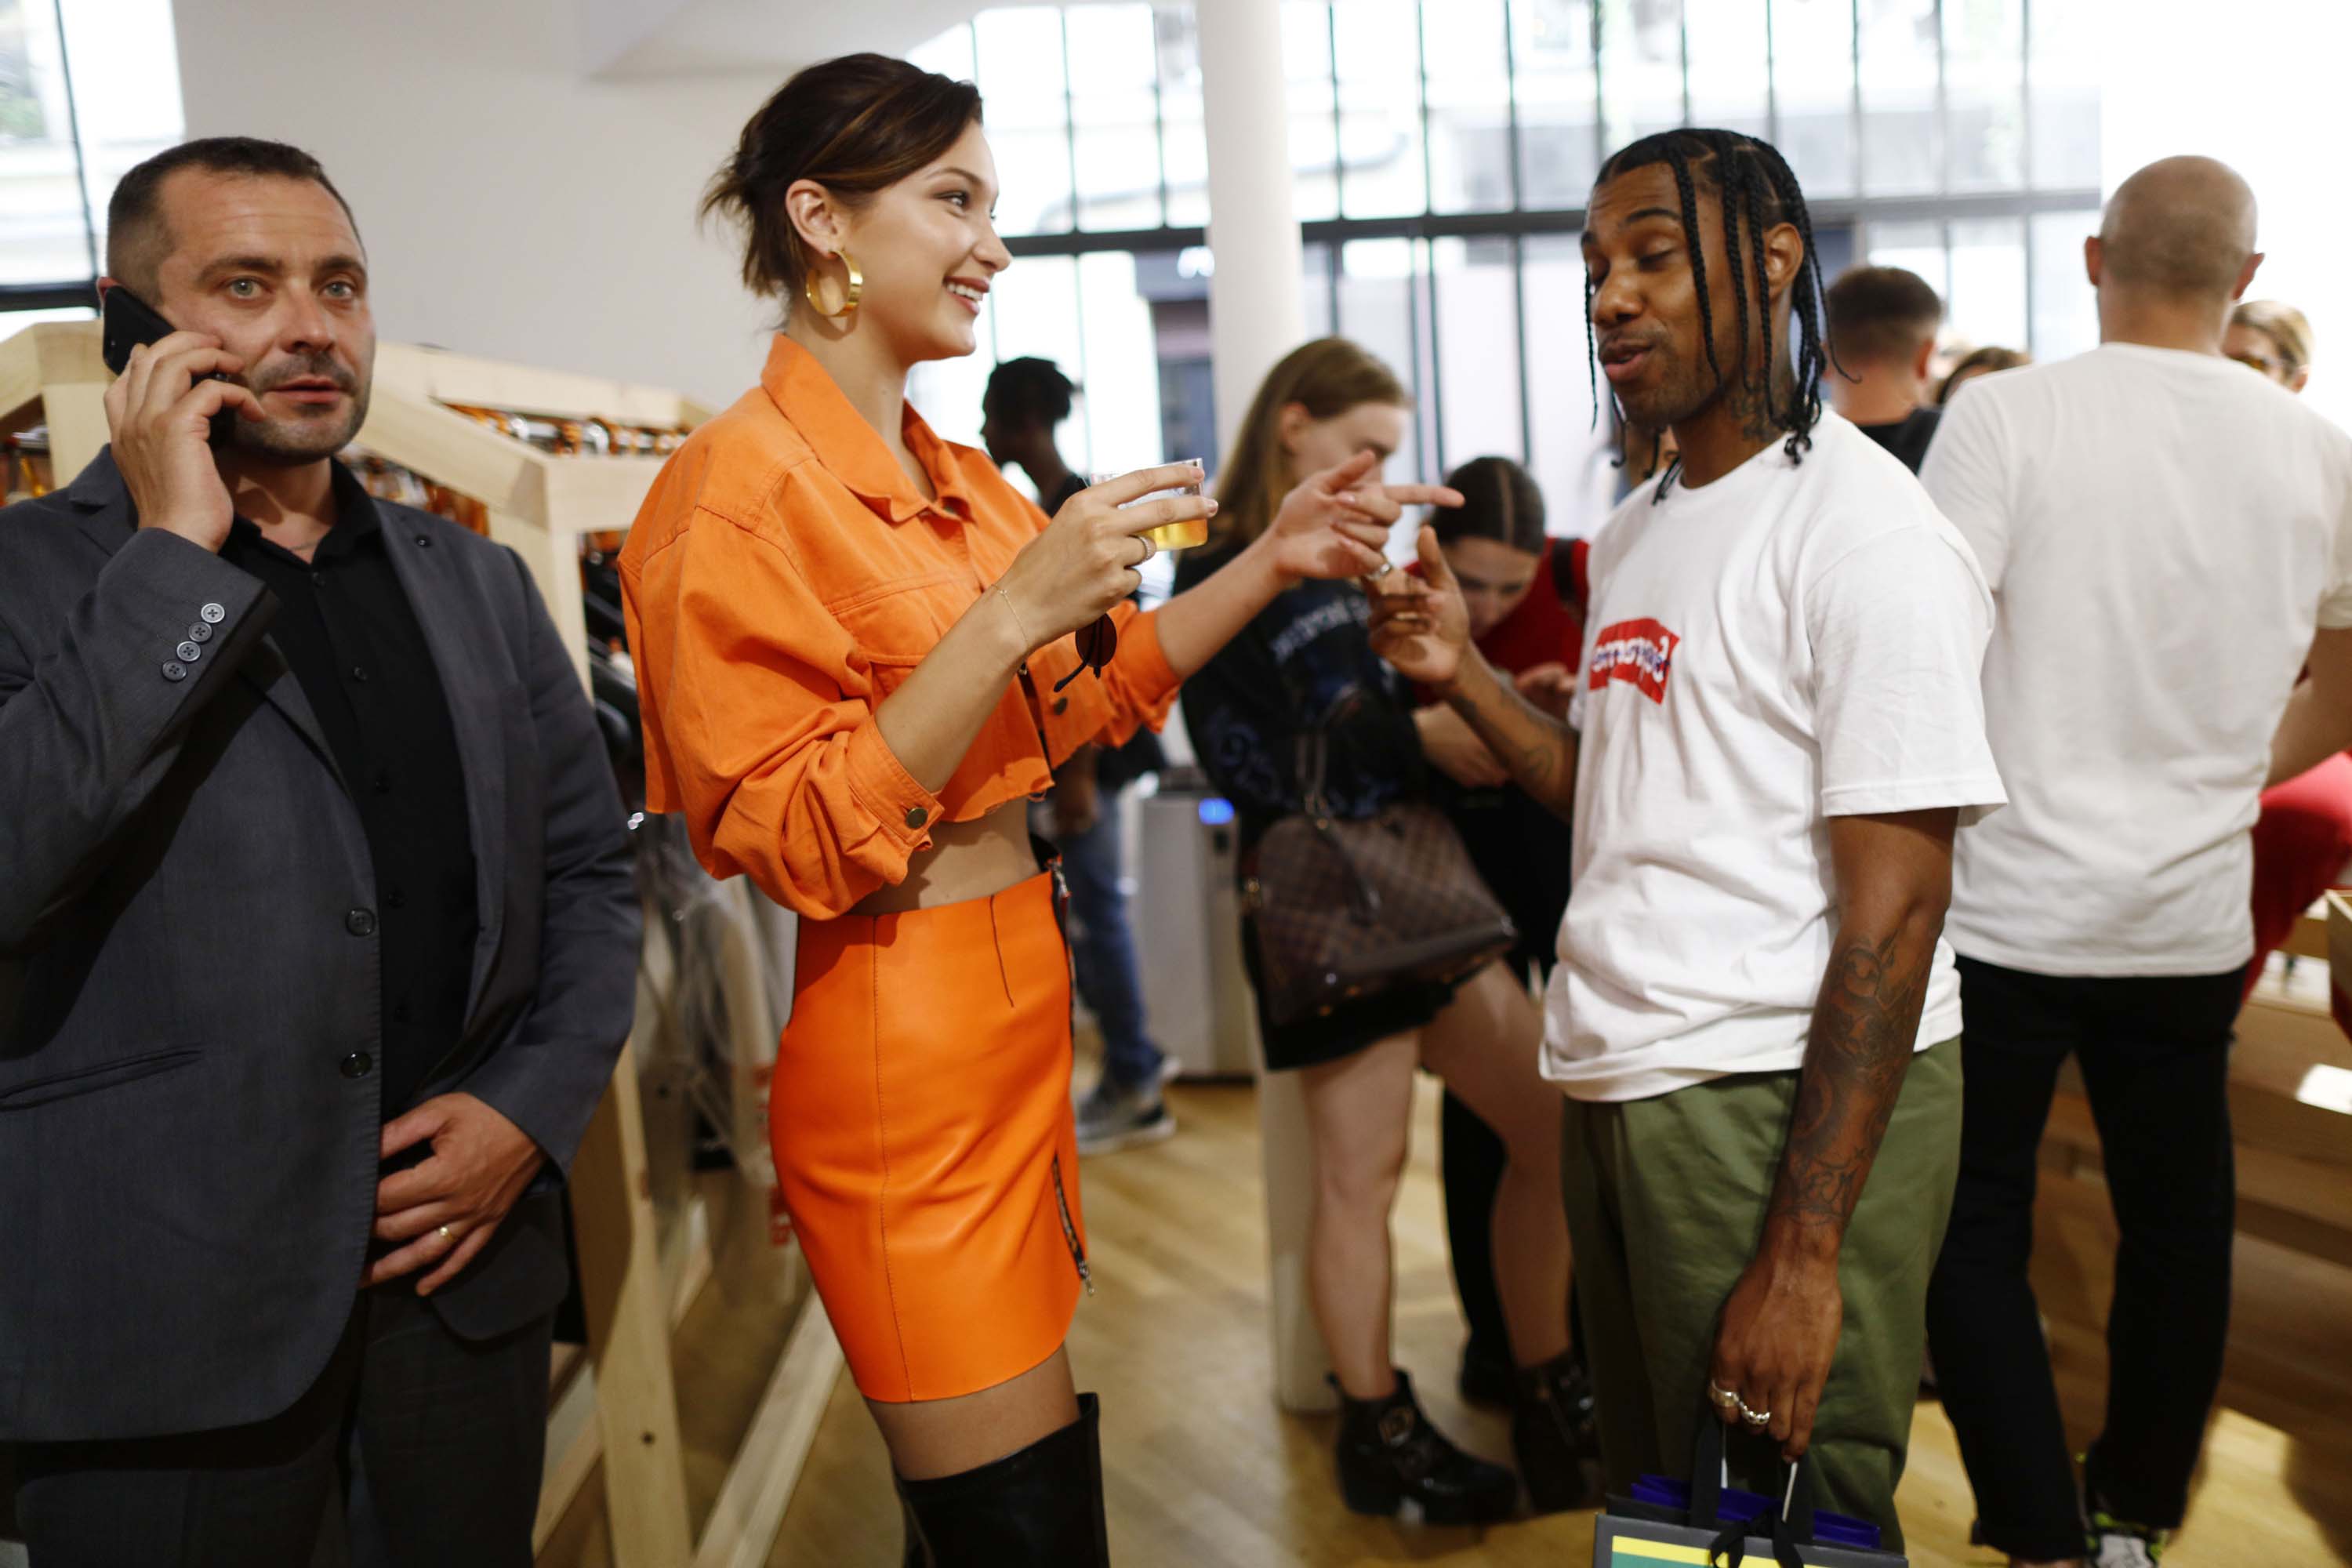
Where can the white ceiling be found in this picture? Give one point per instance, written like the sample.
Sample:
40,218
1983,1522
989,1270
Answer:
642,38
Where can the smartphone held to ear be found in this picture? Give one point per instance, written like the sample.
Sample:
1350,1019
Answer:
129,322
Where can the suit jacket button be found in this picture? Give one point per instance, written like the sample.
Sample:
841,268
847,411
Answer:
917,816
200,631
213,613
358,1064
189,652
174,671
359,923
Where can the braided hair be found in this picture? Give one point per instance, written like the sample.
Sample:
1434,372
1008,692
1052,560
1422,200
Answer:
1756,190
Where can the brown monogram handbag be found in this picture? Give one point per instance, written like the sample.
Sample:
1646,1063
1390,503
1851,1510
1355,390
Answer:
1343,909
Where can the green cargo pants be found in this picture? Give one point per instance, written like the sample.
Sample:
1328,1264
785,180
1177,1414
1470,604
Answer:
1665,1203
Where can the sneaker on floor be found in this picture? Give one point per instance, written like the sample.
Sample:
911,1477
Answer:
2118,1543
1113,1117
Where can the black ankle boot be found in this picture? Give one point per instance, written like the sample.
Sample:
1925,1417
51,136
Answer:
1040,1506
1556,1437
1391,1458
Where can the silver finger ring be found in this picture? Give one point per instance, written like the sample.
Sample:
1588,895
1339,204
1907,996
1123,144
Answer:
1722,1396
444,1233
1753,1418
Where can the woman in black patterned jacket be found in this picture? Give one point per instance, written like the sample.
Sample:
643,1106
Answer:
1305,663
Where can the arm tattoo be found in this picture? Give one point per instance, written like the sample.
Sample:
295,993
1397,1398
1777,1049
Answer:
1864,1029
1538,750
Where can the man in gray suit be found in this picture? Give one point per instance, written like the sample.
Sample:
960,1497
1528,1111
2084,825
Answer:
317,941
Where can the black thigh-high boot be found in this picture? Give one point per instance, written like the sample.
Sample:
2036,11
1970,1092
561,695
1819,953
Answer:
1039,1505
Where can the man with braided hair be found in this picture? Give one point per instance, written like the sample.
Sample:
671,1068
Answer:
1778,731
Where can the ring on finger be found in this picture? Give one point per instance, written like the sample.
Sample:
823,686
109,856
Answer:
1722,1396
444,1233
1151,547
1753,1418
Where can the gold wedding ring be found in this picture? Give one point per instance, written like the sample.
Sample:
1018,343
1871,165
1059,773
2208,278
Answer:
443,1232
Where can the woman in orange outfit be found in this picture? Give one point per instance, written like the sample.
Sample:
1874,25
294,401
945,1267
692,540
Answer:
856,653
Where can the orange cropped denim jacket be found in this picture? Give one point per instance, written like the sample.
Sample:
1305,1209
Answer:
782,578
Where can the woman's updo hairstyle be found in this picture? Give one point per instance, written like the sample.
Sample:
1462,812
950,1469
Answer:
1499,502
856,125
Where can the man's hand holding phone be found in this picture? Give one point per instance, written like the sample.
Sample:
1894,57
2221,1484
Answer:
159,412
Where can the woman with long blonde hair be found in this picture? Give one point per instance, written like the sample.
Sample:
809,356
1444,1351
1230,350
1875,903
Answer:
1306,662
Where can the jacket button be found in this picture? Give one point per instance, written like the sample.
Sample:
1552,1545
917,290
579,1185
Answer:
917,816
212,613
425,541
359,923
189,652
358,1064
200,631
174,671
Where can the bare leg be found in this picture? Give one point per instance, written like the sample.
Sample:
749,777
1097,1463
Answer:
1484,1046
1358,1118
932,1437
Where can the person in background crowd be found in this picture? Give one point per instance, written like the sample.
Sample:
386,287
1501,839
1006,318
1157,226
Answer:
859,654
2104,916
1642,454
1525,593
1882,322
318,940
2272,338
1772,741
2302,840
1026,400
1305,663
1977,363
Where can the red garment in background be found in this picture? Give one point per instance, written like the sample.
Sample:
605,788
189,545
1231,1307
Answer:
1542,630
2302,844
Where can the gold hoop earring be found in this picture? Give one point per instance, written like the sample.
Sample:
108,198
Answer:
855,287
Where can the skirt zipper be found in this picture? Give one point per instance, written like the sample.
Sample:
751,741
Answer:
1070,1231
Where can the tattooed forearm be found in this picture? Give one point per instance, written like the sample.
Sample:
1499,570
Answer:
1538,750
1864,1029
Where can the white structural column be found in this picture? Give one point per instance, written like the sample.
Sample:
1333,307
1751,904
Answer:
1254,312
1256,317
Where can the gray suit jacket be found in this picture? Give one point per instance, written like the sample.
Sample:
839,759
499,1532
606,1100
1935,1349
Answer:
187,1176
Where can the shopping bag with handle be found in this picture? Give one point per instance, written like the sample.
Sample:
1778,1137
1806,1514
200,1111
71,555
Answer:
1707,1520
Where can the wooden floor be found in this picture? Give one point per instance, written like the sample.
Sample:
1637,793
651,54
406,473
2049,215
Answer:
1202,1468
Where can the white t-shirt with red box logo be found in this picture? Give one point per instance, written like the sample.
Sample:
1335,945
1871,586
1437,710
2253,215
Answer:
1796,641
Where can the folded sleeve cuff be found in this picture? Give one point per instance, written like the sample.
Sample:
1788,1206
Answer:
1144,669
905,810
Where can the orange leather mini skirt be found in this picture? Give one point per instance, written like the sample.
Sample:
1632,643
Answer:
924,1140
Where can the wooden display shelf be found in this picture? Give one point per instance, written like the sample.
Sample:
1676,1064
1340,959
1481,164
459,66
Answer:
618,1404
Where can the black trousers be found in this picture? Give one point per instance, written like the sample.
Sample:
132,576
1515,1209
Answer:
2155,1057
429,1446
1471,1158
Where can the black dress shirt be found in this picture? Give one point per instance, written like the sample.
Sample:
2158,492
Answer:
348,632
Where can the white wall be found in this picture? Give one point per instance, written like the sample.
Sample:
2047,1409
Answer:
511,207
2179,81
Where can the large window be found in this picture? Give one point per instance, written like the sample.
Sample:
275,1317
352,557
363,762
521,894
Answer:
1442,151
88,88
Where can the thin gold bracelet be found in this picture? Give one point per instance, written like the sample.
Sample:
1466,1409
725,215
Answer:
1028,643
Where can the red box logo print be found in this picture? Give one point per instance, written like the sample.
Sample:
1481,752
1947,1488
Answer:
1641,652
